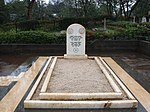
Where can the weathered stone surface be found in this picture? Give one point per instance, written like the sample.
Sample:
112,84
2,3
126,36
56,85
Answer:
75,40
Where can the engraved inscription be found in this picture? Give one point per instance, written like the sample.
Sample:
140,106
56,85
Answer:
75,38
76,50
75,42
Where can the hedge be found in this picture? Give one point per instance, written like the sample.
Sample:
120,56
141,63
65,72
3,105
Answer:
115,31
123,24
33,37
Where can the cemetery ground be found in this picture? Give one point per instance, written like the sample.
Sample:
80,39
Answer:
122,45
136,64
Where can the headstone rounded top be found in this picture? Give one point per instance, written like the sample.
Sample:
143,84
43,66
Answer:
76,25
75,28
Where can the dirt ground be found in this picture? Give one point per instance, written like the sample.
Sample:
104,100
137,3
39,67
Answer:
78,76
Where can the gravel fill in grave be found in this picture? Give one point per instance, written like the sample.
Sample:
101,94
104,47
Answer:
78,76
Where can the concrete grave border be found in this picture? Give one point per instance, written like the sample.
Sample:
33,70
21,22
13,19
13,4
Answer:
130,103
80,96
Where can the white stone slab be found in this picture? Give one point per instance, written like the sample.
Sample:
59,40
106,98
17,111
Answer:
134,19
75,40
144,19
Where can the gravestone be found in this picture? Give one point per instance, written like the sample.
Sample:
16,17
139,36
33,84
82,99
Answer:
134,19
75,41
148,13
143,19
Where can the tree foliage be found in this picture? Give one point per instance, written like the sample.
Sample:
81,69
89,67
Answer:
141,8
39,10
3,12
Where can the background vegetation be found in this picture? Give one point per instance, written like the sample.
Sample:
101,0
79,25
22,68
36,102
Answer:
34,21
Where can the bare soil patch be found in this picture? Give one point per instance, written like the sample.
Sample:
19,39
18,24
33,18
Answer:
78,76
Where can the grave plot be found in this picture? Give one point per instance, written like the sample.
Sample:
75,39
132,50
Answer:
76,81
82,83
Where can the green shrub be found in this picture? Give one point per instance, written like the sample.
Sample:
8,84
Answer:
124,31
101,35
145,24
27,37
124,24
118,29
138,33
7,37
60,38
129,30
119,33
